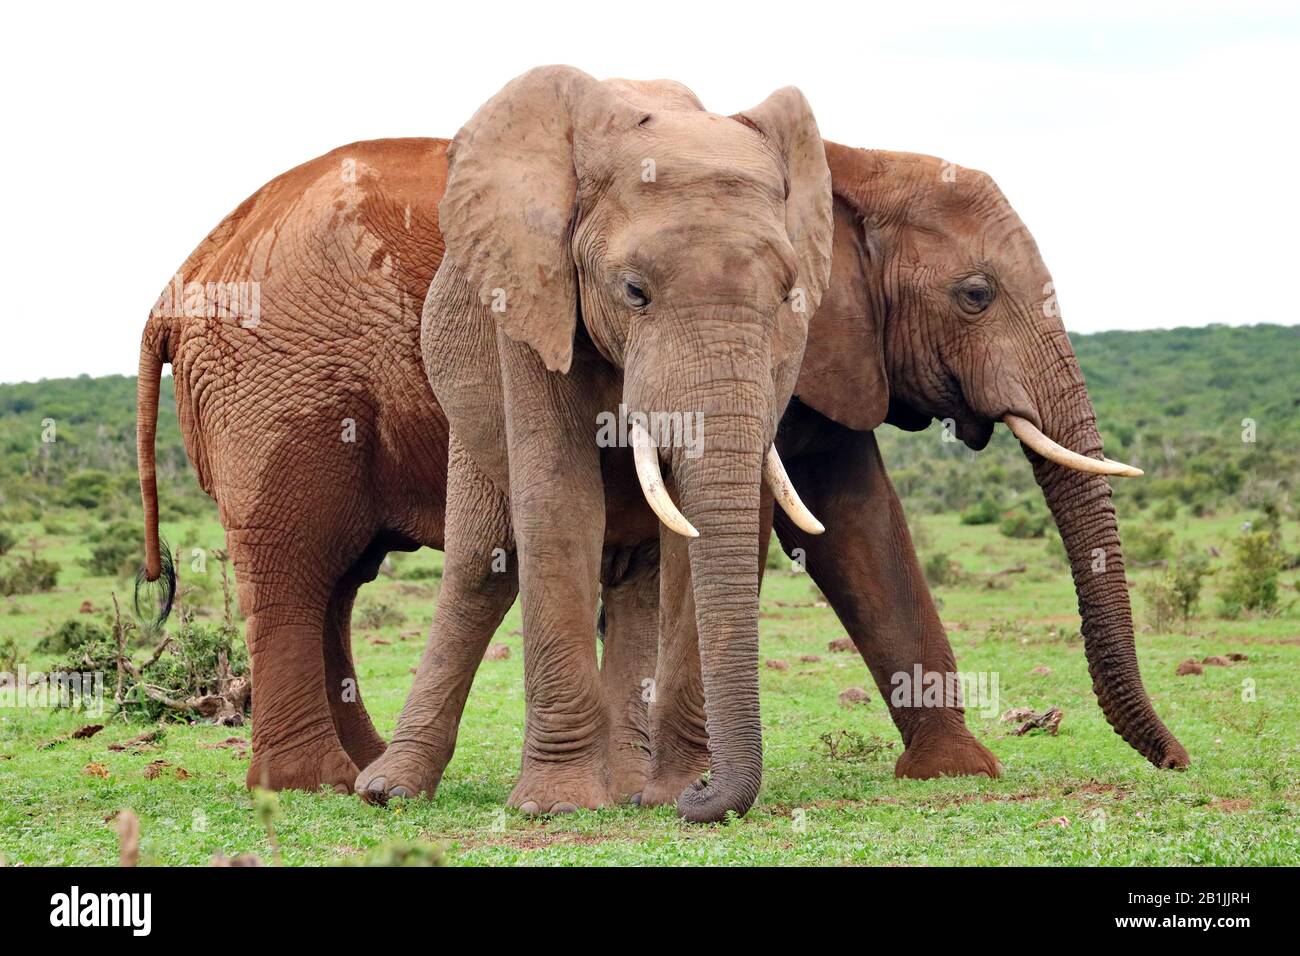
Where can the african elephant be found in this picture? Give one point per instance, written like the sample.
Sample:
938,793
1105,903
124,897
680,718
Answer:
939,307
611,249
694,285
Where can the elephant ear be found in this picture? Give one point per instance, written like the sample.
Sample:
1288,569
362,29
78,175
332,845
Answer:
507,212
786,121
843,373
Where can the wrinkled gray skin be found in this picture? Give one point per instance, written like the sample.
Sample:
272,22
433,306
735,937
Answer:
571,283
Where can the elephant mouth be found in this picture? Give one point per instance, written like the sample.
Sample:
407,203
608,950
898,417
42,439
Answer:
975,435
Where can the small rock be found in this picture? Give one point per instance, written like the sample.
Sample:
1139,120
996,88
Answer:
1189,666
854,695
497,652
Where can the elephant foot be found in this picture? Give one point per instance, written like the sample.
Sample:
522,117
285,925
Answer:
399,772
556,788
672,773
945,748
663,790
629,770
305,767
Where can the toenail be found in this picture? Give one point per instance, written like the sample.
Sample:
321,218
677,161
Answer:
564,808
636,800
401,792
530,807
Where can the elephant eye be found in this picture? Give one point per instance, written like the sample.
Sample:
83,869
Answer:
974,294
635,296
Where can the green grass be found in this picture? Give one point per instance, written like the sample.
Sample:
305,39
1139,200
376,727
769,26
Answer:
1237,803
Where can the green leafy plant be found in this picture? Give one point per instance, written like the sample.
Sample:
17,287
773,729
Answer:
983,511
30,575
377,614
1252,575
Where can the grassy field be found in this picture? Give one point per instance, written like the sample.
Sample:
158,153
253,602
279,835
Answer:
1082,797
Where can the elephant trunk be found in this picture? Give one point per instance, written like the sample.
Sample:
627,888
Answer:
721,493
1082,508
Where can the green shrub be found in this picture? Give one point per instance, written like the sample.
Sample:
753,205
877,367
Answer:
983,511
1167,510
1024,523
1175,593
72,635
941,571
1252,575
87,489
1186,580
7,540
1161,603
1143,545
30,575
115,557
376,614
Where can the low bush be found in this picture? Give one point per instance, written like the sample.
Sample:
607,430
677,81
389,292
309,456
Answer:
1252,575
30,575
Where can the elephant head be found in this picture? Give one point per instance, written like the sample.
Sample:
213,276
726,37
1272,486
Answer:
618,225
941,307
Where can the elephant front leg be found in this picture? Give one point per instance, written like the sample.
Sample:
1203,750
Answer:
866,566
557,507
630,601
478,587
566,741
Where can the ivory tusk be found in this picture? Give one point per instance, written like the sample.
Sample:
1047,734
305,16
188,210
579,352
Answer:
786,496
1035,439
652,484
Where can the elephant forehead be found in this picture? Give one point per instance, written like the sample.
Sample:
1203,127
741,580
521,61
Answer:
681,150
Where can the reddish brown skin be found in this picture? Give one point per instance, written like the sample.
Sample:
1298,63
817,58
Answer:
262,411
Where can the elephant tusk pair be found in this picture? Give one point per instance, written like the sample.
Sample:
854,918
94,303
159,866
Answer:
1035,439
651,480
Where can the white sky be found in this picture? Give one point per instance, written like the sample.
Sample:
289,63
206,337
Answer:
1150,147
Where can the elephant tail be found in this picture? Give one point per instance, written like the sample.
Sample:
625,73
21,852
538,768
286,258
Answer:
158,560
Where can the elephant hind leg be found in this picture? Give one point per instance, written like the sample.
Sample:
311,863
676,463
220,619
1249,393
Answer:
351,721
295,744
